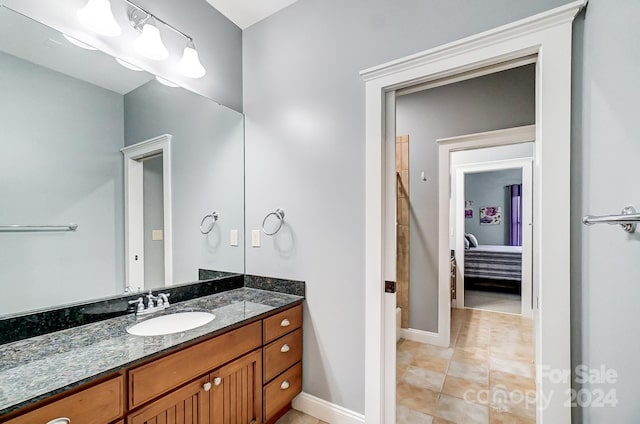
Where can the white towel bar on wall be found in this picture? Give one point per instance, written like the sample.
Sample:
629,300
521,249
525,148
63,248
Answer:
628,219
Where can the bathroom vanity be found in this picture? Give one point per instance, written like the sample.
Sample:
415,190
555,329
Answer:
243,367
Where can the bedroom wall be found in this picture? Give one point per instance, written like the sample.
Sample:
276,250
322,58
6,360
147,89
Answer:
488,189
497,101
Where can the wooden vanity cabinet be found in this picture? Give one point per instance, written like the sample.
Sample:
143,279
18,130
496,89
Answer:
186,405
248,375
100,404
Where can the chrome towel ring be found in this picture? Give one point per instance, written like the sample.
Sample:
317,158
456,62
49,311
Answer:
279,214
214,218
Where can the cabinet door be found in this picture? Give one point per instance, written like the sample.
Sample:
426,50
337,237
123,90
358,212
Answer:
236,397
187,405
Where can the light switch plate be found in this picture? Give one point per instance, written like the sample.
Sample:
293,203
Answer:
255,238
233,238
157,235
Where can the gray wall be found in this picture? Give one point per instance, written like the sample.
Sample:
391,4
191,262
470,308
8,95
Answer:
55,128
207,166
218,40
496,101
489,189
305,132
153,206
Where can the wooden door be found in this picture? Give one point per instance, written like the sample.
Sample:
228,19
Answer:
236,396
187,405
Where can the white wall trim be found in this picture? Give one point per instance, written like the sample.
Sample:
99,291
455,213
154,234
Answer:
549,35
422,336
133,225
325,411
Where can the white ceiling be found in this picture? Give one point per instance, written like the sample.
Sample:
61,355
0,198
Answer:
245,13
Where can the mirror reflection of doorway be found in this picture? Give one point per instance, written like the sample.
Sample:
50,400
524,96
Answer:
153,215
148,230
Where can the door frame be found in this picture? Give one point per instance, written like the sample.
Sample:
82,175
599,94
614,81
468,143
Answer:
457,204
134,210
549,36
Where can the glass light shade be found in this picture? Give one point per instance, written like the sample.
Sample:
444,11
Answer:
150,45
78,43
166,82
128,65
190,65
98,16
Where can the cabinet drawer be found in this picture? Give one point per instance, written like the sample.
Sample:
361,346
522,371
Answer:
282,323
99,404
155,378
282,390
282,353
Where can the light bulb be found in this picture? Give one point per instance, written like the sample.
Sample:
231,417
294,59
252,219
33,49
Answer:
190,65
166,82
128,65
98,16
149,44
78,43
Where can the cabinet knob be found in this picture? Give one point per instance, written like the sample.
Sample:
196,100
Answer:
207,387
217,381
285,385
285,348
285,323
61,420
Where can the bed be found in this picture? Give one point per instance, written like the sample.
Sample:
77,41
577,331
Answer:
493,262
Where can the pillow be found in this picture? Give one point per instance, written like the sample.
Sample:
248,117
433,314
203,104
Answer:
466,243
473,241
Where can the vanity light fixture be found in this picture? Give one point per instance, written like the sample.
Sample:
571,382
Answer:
150,45
78,43
190,65
97,15
128,65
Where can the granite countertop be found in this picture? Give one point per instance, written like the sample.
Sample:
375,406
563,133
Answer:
35,368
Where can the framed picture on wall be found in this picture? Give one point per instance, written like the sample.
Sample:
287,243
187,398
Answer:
491,215
468,209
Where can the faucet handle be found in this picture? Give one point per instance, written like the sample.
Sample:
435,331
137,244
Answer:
140,303
163,299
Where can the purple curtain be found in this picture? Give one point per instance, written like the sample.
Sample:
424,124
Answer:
515,228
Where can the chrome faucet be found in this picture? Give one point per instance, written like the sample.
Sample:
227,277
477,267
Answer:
161,302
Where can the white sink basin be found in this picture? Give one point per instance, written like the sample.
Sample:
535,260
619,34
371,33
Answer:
172,323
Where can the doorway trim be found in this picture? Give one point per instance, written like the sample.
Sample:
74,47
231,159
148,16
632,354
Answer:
549,36
457,204
134,211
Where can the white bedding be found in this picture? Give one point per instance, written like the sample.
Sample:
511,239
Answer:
494,248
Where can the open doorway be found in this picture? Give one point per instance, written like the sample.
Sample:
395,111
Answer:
447,375
148,229
491,212
548,36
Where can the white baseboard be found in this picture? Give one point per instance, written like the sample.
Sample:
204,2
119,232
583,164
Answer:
325,411
421,336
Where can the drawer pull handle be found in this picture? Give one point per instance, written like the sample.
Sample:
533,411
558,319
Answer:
285,385
207,387
285,323
217,381
285,348
61,420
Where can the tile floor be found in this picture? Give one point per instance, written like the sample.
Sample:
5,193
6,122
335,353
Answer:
486,376
496,302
